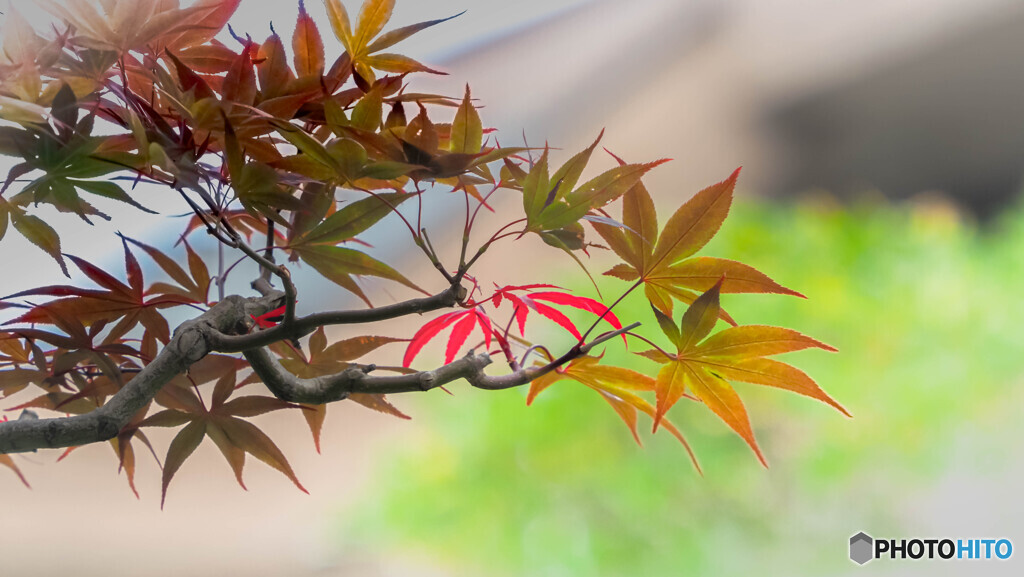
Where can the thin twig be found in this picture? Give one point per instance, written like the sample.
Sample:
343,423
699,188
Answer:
609,309
280,272
648,341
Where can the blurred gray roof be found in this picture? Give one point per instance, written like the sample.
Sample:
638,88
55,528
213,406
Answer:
903,96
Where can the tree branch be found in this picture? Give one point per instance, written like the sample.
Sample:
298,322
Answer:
302,326
189,344
357,378
223,328
217,330
268,267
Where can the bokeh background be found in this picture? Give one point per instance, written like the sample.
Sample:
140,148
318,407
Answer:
883,149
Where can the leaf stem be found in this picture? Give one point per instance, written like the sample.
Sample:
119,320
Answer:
609,309
648,341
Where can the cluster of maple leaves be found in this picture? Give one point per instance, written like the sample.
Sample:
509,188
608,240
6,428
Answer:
307,153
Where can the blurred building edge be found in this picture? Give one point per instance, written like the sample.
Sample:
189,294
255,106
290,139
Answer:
594,65
902,96
947,116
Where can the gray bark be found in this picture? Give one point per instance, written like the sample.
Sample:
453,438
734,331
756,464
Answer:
189,343
227,327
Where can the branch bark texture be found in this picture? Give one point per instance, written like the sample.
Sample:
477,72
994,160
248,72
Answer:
226,328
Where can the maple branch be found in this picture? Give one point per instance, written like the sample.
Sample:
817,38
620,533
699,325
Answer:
302,326
423,241
605,337
269,252
214,330
269,266
357,378
190,343
213,231
465,233
483,248
418,239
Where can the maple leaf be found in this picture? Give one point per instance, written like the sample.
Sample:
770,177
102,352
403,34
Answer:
665,262
363,50
449,154
553,202
327,359
618,386
555,205
307,45
340,265
123,447
467,131
20,49
34,229
255,183
317,247
24,363
141,25
353,219
76,347
239,85
66,154
269,319
738,353
193,285
465,322
420,149
125,303
272,67
8,462
241,221
529,302
223,423
212,58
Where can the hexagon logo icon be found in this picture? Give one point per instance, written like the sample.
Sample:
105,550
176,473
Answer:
861,548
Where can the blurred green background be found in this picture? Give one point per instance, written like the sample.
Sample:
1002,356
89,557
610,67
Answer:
923,307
